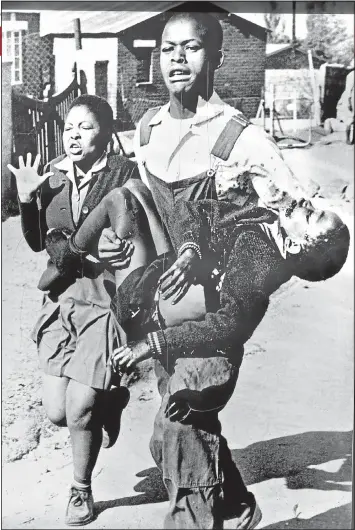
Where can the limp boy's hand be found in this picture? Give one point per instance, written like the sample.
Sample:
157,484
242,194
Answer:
178,279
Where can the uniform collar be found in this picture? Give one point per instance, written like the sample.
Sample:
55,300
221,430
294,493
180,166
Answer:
273,231
206,110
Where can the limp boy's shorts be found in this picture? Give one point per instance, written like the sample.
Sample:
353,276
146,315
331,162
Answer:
76,339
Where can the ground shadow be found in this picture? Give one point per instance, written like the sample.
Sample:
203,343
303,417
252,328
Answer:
286,457
151,487
289,457
336,518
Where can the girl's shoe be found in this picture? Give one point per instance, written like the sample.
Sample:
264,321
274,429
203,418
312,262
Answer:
80,509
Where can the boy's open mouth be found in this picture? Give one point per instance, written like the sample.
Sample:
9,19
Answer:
179,74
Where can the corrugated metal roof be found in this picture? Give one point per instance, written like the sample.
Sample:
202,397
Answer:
100,21
272,47
113,17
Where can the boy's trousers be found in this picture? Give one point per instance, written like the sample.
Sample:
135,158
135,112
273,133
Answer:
197,467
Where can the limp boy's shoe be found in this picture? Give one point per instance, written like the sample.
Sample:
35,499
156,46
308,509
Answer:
250,515
116,400
247,514
80,509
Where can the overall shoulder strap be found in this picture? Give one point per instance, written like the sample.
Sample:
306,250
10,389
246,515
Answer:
228,137
145,129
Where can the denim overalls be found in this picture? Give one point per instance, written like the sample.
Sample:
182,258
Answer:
195,461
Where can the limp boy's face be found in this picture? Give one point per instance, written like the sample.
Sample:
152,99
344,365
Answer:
183,57
301,221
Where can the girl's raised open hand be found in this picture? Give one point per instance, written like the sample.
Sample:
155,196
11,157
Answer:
27,178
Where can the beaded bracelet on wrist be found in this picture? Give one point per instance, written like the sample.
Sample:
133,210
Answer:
156,343
192,246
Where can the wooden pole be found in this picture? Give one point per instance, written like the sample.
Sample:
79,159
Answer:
77,33
293,22
78,48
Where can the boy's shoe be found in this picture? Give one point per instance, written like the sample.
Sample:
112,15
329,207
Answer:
80,509
116,400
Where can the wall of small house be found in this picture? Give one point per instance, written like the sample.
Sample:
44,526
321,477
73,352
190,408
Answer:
38,64
93,49
239,81
37,55
294,59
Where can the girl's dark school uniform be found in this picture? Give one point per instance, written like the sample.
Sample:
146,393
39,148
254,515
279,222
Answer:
75,333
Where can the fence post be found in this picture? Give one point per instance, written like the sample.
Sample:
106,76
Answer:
272,103
314,89
6,148
50,136
294,110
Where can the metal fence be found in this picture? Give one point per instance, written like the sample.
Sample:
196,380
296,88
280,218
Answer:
38,124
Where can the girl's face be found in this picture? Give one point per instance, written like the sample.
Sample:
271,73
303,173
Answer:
83,138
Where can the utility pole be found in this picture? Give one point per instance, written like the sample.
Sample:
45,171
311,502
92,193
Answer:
293,23
78,46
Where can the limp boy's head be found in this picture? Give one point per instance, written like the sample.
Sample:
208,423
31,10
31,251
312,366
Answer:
316,241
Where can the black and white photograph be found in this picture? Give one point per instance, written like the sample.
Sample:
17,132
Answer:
177,264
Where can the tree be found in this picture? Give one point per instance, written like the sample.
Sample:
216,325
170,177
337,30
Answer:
327,37
275,22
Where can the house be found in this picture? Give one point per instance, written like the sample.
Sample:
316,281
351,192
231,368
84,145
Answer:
120,54
31,56
288,76
289,57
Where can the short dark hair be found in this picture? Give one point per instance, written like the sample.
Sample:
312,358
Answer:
323,257
206,21
101,109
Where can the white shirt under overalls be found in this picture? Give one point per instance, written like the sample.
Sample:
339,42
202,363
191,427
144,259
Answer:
180,149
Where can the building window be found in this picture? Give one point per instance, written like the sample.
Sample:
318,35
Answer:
13,34
143,51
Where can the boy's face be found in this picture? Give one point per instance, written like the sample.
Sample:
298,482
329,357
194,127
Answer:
302,222
183,58
83,137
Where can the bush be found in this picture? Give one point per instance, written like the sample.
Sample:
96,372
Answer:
9,207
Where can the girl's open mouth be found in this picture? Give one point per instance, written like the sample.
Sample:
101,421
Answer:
75,149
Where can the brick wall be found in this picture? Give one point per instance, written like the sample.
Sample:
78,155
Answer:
31,18
239,81
37,55
38,64
242,75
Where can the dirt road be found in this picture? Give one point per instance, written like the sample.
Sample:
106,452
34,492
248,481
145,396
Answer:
289,421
